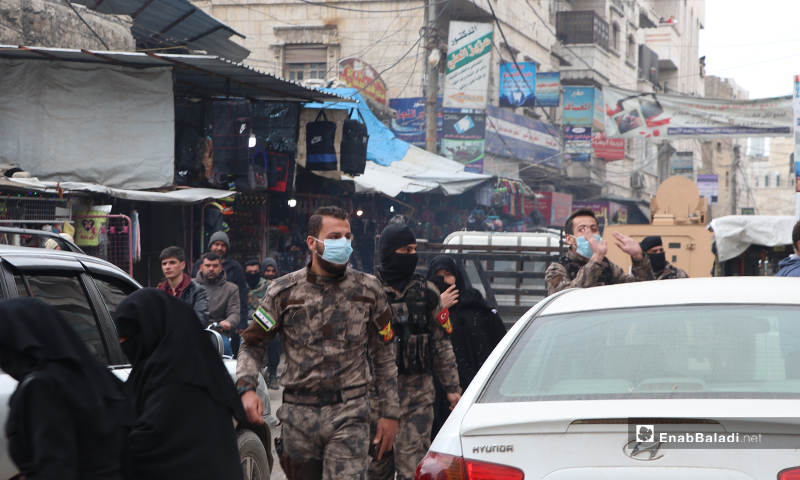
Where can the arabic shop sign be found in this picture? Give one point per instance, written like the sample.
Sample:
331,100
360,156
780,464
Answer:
356,73
409,125
517,85
516,136
548,89
583,107
469,48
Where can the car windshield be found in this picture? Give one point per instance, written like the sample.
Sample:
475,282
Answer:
720,351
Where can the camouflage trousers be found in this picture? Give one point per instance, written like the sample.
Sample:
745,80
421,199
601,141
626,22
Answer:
336,434
413,432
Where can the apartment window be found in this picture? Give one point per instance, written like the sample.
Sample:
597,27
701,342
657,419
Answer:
719,146
766,180
614,40
303,62
631,49
727,178
777,179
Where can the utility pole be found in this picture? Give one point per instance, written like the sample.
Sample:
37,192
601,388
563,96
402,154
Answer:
432,88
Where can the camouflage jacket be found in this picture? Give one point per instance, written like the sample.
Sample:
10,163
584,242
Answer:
444,360
574,271
254,297
326,325
670,273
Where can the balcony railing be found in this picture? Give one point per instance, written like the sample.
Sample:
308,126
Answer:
581,27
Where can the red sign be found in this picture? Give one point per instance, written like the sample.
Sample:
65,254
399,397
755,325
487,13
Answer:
356,73
609,149
555,207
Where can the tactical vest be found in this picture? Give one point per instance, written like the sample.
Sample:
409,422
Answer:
672,273
410,325
573,268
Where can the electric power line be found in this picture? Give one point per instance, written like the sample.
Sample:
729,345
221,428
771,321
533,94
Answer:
69,4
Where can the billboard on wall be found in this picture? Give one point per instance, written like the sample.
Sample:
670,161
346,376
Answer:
356,73
708,185
463,136
409,123
608,213
609,149
517,85
555,207
548,89
516,136
681,164
583,107
631,114
469,48
578,143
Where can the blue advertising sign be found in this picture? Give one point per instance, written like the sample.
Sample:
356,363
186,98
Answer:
548,89
517,86
409,125
579,106
578,143
515,136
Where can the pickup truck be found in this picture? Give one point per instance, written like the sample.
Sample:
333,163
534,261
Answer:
87,290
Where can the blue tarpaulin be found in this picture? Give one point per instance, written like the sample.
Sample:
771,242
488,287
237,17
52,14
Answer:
383,147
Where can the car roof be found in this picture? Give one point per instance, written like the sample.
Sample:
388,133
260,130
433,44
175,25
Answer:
689,291
43,253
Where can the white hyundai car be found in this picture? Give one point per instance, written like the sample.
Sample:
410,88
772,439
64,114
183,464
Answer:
677,379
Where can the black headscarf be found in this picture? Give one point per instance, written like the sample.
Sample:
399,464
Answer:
396,269
35,338
468,296
167,346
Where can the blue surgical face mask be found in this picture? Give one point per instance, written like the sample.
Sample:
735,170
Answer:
583,248
337,251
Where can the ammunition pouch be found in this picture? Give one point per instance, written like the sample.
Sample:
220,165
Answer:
410,325
297,470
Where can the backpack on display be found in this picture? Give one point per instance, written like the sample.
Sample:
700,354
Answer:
320,140
279,161
354,146
229,127
257,178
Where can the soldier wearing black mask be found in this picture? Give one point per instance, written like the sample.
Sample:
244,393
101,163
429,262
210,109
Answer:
662,269
422,326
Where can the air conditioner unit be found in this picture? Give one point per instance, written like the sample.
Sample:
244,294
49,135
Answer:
638,180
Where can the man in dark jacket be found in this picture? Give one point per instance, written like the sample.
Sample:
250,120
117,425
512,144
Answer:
178,284
790,266
653,247
220,244
223,296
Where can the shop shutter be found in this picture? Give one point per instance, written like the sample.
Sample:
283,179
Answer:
305,54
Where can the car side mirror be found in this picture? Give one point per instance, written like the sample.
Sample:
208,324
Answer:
216,341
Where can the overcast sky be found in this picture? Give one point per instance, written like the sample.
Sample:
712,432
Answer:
755,42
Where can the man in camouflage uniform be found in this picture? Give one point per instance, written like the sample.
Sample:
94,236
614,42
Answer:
327,315
653,247
421,325
584,265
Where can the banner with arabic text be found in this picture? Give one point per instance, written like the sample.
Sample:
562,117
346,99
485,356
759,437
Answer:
469,60
517,85
548,89
630,114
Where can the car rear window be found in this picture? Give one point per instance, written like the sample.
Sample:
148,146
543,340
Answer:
721,351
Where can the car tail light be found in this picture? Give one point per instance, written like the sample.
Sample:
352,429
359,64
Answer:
437,466
789,474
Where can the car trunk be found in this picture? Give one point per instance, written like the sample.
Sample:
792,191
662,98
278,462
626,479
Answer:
587,439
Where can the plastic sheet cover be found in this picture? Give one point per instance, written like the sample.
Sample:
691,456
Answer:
93,123
735,233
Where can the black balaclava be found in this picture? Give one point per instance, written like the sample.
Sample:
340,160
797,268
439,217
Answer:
657,260
396,268
252,278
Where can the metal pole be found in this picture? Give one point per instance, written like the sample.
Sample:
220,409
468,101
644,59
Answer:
432,89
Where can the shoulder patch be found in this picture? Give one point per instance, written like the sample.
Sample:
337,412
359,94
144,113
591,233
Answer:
444,320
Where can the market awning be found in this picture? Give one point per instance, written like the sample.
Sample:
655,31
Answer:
395,166
419,171
201,75
183,195
735,233
173,23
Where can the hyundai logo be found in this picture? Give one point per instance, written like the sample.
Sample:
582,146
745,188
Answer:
642,451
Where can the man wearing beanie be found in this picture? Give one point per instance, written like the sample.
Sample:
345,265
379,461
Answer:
653,247
421,325
220,244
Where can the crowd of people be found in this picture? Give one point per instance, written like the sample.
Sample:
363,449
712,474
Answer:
374,363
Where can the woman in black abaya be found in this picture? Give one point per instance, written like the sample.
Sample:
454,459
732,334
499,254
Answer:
182,394
477,329
67,418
